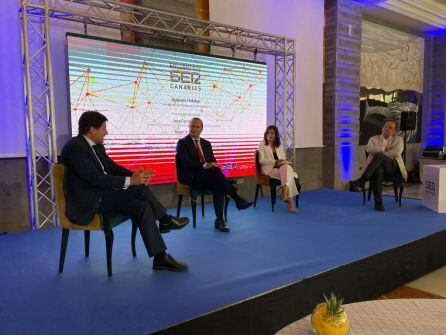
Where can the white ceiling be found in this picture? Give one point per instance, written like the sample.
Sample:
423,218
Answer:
428,11
414,16
442,2
378,38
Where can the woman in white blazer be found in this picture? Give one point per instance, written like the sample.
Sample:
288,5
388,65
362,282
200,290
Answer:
273,163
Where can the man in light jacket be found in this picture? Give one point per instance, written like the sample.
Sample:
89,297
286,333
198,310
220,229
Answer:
384,160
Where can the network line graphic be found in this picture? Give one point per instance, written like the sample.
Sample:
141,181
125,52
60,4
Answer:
232,92
149,95
133,100
230,95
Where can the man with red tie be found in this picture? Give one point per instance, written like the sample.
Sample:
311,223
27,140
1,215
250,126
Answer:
198,168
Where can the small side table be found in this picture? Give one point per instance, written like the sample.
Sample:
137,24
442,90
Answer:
386,317
434,188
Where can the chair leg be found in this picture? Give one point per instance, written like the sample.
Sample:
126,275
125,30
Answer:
134,230
227,199
202,205
63,248
299,188
180,200
87,242
109,248
363,197
257,194
370,192
401,193
395,191
273,197
193,203
261,191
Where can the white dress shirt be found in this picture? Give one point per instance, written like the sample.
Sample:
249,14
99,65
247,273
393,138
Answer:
385,141
91,143
199,144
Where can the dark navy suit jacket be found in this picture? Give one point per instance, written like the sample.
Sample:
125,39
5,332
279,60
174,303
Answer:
188,161
85,180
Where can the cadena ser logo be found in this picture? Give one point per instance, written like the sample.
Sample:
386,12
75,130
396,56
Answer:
430,187
185,77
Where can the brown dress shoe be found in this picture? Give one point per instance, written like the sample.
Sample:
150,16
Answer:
243,204
168,263
220,224
174,223
356,185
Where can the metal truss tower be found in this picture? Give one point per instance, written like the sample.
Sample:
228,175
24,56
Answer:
39,105
36,17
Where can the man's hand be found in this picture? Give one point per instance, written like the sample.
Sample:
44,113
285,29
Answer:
140,176
387,149
209,165
147,175
280,162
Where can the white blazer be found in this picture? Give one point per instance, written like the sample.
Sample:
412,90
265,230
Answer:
266,157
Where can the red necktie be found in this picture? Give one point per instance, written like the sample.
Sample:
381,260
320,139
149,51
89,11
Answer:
200,153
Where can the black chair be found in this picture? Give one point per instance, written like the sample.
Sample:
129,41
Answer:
194,193
264,180
398,186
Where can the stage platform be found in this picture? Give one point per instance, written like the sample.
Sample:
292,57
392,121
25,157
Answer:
270,270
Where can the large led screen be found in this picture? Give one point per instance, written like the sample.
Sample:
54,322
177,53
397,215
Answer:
149,95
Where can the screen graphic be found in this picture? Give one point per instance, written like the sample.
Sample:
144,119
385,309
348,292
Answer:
149,95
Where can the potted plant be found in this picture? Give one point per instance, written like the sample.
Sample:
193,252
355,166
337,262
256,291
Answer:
329,317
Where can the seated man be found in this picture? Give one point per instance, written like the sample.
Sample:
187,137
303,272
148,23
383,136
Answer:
199,168
384,160
96,184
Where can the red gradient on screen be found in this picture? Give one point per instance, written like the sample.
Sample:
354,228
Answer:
235,158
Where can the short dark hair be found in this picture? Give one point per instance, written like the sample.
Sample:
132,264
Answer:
90,119
391,120
276,132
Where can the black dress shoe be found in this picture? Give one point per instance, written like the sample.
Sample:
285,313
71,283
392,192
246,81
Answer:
173,223
220,224
163,230
167,262
379,207
357,185
243,204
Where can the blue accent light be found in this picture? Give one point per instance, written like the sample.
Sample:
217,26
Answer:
345,152
436,32
369,3
435,134
344,136
12,127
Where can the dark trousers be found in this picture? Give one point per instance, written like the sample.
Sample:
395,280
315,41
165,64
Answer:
214,179
140,204
381,167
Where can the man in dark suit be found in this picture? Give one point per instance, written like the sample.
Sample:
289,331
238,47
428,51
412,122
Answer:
199,168
96,184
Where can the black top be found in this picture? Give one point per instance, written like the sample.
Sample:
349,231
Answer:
275,156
